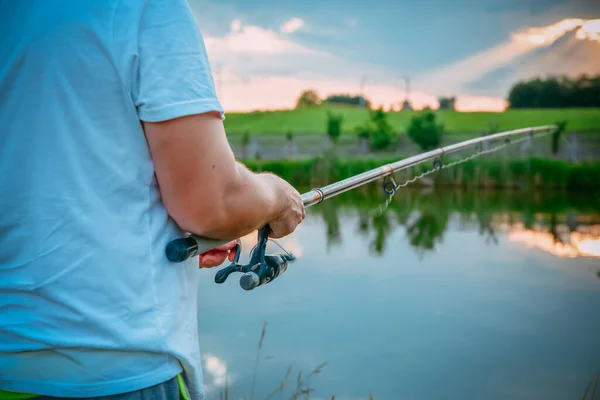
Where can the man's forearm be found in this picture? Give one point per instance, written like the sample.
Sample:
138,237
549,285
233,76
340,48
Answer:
247,203
254,203
205,190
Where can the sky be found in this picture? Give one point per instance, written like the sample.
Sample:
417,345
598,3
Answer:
265,53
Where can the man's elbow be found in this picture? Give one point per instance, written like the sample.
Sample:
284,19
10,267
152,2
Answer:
210,224
211,221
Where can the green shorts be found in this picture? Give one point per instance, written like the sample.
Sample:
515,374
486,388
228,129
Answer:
173,389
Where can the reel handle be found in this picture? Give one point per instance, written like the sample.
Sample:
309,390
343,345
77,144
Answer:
222,275
261,269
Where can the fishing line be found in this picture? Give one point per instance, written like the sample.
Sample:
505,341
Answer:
389,181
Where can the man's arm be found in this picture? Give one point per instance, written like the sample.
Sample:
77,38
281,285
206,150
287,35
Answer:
210,194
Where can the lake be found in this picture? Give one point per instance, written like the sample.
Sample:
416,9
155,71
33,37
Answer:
447,295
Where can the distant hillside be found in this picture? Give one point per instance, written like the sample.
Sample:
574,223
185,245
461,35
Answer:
312,120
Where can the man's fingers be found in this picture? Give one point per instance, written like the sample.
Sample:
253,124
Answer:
232,255
216,256
226,246
213,258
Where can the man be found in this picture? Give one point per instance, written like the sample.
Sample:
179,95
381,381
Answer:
112,144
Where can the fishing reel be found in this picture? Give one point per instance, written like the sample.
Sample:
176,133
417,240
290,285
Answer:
261,269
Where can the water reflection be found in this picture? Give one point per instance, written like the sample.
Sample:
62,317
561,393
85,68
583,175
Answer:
562,225
216,376
332,223
428,229
576,245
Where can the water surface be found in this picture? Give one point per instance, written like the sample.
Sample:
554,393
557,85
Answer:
448,295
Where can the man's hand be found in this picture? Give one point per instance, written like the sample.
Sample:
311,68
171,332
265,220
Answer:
215,257
291,209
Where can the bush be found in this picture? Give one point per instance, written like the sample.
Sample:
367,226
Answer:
363,131
424,131
377,129
334,126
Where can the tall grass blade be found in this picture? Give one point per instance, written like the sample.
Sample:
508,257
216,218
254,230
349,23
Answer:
260,343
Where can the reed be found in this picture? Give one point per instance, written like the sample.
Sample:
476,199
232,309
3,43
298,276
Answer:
489,173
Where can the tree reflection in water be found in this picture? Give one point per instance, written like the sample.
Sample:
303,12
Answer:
332,224
428,229
426,215
382,226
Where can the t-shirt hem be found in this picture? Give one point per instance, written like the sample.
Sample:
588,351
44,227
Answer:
180,109
91,390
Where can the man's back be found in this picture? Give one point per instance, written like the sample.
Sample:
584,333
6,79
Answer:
89,305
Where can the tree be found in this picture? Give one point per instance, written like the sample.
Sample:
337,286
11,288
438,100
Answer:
347,99
334,126
556,92
308,98
377,129
424,131
447,103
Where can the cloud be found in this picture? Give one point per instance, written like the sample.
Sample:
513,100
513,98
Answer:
590,30
251,39
547,35
292,25
480,103
571,57
279,91
276,92
236,26
456,76
259,68
250,51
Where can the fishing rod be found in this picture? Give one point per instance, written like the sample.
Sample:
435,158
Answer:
264,268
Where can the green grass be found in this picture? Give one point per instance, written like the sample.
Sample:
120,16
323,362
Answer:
312,120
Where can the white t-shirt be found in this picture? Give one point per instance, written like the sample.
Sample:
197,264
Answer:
89,304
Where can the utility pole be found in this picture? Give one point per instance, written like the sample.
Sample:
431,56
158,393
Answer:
406,105
362,91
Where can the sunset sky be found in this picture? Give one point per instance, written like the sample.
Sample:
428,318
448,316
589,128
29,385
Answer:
264,53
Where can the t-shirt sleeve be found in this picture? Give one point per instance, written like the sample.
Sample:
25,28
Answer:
173,77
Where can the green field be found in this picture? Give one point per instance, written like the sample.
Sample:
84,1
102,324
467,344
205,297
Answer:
312,120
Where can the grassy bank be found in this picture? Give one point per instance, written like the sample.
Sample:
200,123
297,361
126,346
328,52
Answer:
312,120
536,174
